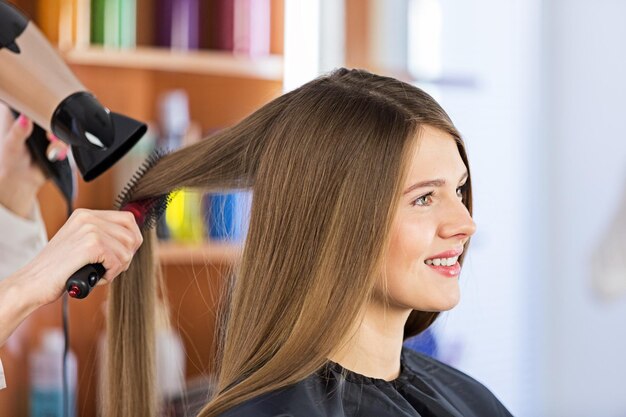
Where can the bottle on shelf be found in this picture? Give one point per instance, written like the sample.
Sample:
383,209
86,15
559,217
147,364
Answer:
170,356
113,23
178,24
227,215
46,378
183,218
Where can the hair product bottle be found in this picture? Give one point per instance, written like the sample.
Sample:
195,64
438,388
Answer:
46,378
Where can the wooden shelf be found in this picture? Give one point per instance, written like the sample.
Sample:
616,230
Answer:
222,88
168,60
209,252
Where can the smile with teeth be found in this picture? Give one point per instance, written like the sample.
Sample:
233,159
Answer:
442,261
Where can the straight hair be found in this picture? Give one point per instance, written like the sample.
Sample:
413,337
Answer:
326,163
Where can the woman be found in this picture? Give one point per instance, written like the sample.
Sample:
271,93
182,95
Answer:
361,209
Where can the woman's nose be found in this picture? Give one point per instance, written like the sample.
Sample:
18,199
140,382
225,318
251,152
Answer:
457,222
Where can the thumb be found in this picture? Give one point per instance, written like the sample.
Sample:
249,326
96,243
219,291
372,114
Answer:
19,131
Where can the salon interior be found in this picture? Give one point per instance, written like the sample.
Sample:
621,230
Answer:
536,88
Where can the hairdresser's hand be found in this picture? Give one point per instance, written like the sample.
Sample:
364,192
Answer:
20,178
89,236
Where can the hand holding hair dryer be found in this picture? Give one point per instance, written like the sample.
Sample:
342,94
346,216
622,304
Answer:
35,81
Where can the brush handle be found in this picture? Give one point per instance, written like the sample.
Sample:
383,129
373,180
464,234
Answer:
81,282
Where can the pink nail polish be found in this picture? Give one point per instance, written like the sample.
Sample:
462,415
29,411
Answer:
22,120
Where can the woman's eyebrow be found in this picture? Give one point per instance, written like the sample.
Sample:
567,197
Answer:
431,183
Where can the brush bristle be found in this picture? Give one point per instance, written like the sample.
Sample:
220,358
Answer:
147,211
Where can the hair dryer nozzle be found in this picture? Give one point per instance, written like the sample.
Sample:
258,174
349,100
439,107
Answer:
80,120
127,132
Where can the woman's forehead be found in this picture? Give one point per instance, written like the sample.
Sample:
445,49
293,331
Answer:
435,156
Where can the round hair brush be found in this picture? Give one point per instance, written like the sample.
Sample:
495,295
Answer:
146,212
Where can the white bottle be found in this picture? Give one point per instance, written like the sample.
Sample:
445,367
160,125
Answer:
46,377
170,364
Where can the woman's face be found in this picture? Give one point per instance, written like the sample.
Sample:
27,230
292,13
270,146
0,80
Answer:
430,228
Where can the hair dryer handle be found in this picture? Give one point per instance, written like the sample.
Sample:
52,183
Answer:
81,282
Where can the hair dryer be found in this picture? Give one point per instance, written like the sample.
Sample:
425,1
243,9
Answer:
35,81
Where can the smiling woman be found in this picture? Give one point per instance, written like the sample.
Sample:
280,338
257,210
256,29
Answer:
360,216
431,227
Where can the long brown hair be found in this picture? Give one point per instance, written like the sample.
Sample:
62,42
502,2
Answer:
326,163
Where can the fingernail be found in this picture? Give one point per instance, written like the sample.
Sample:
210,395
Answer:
22,120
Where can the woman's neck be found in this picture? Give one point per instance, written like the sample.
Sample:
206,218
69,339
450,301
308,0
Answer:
375,347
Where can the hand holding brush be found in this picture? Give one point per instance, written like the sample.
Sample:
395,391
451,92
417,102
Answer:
144,214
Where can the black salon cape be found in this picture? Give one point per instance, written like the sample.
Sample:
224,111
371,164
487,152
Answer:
425,388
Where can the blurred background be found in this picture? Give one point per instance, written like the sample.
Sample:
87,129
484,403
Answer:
536,88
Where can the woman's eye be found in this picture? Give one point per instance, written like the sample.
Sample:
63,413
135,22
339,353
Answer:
424,200
459,191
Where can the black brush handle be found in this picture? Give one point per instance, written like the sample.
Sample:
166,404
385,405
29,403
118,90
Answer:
81,282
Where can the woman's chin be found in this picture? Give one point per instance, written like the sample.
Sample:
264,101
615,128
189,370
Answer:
444,302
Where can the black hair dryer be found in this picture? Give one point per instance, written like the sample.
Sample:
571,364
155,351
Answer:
36,82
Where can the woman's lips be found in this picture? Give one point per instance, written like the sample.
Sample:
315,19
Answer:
447,271
448,254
